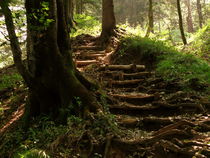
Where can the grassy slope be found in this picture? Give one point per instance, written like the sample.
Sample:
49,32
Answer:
169,63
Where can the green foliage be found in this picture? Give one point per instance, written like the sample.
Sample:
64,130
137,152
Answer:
183,66
201,42
86,25
145,46
104,124
42,16
33,153
170,63
136,31
26,144
9,80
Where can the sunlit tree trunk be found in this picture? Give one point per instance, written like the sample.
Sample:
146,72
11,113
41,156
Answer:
200,15
51,76
181,23
151,19
108,19
189,17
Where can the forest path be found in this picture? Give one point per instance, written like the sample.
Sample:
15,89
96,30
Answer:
155,126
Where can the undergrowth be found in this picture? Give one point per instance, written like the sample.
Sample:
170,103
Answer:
9,80
45,138
201,42
169,62
85,25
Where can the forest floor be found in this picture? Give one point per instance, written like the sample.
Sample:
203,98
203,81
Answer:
159,119
156,119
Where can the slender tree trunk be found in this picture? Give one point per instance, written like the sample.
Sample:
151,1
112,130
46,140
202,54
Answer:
181,23
14,43
200,15
108,19
151,19
52,78
189,17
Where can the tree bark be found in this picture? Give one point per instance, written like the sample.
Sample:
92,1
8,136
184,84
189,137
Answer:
151,19
79,6
52,78
69,11
181,23
200,15
189,17
108,19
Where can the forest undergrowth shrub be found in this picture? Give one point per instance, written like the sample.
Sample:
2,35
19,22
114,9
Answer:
137,49
200,44
31,143
9,80
86,25
44,134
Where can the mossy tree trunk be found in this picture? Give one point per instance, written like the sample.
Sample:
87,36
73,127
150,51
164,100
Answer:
50,74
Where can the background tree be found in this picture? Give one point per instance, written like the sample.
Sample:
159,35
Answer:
181,22
108,19
50,74
150,18
189,16
200,15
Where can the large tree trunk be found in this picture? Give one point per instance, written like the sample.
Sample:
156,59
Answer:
108,19
151,19
200,15
181,23
189,17
53,84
